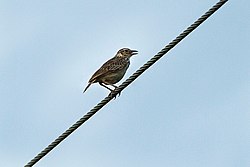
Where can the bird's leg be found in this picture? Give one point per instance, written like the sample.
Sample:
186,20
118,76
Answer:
116,88
105,86
110,89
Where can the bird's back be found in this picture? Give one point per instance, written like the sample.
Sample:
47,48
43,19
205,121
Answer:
114,65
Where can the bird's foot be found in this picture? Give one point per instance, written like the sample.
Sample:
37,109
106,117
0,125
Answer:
112,93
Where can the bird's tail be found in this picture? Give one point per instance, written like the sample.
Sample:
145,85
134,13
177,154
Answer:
87,87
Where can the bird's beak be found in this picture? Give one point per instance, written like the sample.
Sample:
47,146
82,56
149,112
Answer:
134,52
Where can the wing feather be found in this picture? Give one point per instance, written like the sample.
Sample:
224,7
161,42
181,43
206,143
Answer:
112,65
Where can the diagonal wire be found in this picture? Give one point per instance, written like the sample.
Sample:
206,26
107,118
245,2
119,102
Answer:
126,83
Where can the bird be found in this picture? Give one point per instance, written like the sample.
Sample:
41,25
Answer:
113,70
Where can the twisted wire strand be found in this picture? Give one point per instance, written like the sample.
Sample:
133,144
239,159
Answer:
126,83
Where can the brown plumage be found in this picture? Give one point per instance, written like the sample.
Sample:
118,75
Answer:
113,70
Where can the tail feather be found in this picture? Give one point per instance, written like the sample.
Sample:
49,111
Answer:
87,87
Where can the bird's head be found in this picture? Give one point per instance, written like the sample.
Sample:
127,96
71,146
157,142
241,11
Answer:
126,52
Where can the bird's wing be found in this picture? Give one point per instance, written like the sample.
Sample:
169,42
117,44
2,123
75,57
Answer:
110,66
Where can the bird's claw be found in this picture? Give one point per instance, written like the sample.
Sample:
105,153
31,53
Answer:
112,94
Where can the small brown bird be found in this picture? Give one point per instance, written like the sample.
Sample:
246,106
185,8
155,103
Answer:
113,70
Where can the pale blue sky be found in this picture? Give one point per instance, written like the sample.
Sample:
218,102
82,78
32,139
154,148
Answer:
190,109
